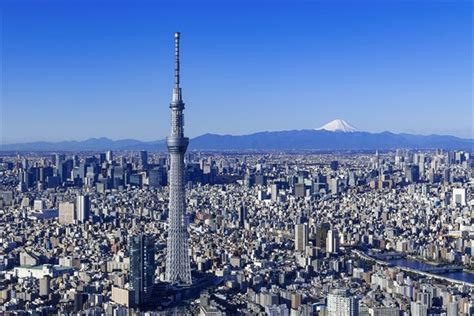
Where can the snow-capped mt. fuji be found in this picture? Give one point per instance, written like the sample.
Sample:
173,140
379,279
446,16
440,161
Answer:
338,126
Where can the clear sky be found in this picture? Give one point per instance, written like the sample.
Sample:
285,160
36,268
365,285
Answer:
80,69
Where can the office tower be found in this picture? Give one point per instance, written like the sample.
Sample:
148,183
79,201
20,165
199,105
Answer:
418,309
332,241
295,300
78,301
64,169
452,308
122,162
421,163
102,158
275,188
260,179
142,268
178,266
144,159
75,160
459,197
157,177
424,298
334,186
109,156
352,179
300,190
321,233
45,172
136,180
67,214
81,170
446,175
301,237
376,160
39,205
44,286
412,173
334,165
249,180
82,208
341,303
58,159
242,215
24,163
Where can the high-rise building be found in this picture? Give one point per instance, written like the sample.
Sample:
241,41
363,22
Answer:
144,159
242,215
142,268
102,158
178,265
275,188
424,297
157,177
334,186
452,308
58,159
64,169
301,237
459,197
412,173
45,286
321,233
418,309
300,190
67,213
384,311
332,241
341,303
82,208
39,205
109,156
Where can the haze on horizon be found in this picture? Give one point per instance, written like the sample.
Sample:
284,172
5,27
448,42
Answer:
83,69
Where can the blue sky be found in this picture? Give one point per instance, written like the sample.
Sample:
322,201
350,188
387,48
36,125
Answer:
80,69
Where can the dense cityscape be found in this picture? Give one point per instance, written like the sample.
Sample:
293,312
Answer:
270,233
329,221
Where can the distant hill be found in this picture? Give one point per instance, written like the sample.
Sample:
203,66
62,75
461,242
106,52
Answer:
92,144
283,140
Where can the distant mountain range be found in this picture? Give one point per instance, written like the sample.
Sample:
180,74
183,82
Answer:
318,139
327,140
91,144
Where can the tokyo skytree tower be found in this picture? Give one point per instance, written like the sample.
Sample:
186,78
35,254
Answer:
178,266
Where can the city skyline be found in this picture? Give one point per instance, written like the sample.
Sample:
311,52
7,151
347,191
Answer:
304,64
332,219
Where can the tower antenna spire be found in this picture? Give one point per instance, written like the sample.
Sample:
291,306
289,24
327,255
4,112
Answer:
176,54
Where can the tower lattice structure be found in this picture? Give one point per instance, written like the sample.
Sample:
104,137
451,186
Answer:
178,265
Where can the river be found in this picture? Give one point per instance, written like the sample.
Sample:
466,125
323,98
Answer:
417,265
